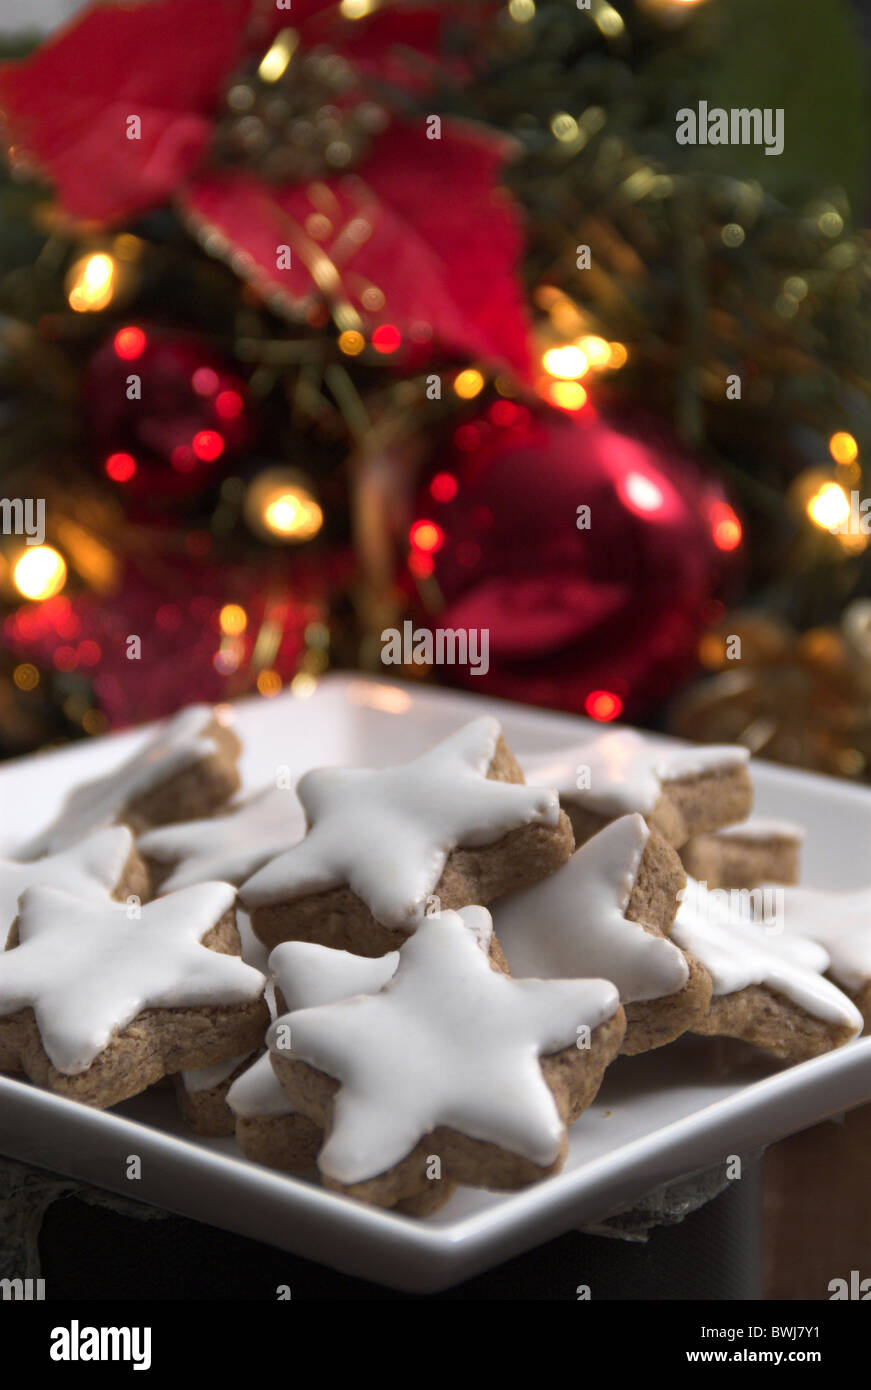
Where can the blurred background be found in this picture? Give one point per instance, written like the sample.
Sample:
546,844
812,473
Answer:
375,296
314,323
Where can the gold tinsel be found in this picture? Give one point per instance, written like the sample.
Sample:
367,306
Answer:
797,698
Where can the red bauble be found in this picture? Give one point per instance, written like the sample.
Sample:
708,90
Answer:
575,614
163,412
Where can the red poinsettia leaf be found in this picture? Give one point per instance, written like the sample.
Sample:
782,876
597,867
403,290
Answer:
423,221
66,108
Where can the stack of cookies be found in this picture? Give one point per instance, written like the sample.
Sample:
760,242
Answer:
455,954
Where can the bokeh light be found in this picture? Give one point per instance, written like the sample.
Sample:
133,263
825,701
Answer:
40,572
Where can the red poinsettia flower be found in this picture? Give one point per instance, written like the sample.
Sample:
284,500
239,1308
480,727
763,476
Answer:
415,235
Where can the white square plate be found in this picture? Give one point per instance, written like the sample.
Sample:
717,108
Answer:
658,1116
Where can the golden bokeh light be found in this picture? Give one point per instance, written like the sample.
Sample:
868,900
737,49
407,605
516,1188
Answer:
268,683
618,356
843,447
26,676
829,506
569,362
596,350
40,572
351,342
468,384
233,619
90,283
294,515
273,64
568,395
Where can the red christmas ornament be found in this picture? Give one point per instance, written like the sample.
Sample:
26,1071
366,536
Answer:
589,554
162,413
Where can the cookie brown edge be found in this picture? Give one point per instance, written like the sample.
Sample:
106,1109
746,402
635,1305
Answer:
652,1023
733,862
194,792
573,1074
696,805
770,1021
339,919
686,807
155,1044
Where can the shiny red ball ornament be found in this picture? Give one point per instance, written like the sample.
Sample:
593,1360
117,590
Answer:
163,413
589,552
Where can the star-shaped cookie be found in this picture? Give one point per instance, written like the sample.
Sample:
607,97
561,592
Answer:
231,846
386,835
306,976
607,912
840,922
451,1052
96,868
193,737
87,969
681,792
769,985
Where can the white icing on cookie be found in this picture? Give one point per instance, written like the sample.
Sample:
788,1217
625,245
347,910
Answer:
231,846
626,771
92,869
307,975
87,971
572,923
258,1093
178,744
387,834
762,828
449,1041
840,923
738,952
207,1078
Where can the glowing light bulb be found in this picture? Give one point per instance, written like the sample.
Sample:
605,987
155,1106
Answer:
596,350
357,9
269,683
293,515
233,619
443,487
129,343
603,705
90,283
40,572
726,529
642,493
843,447
426,536
387,338
468,384
829,506
568,395
351,343
569,362
273,64
120,467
